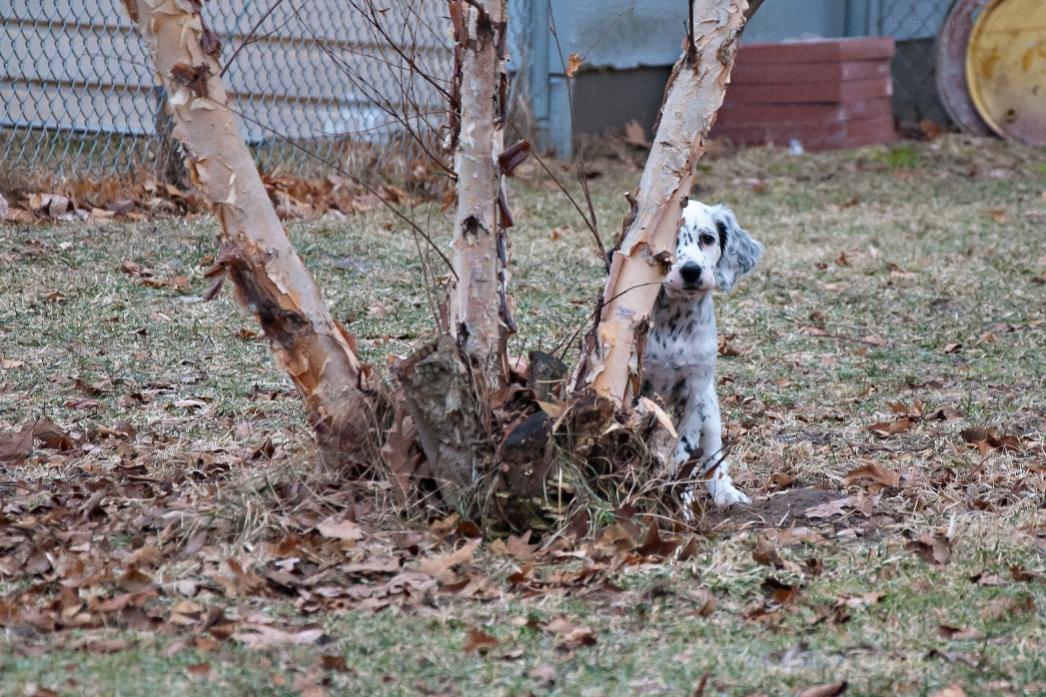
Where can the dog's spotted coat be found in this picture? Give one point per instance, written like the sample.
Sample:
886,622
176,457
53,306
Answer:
712,252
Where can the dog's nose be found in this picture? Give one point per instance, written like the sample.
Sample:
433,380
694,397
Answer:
690,273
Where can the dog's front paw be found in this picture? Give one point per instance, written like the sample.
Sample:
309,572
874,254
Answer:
724,493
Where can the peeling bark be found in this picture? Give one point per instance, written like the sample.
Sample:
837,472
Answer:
441,391
480,319
270,279
610,366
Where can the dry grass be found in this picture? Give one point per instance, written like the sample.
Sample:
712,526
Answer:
878,262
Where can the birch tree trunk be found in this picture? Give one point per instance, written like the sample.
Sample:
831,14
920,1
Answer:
478,304
448,386
692,97
270,279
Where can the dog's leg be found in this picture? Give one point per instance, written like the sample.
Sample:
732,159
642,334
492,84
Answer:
716,470
701,436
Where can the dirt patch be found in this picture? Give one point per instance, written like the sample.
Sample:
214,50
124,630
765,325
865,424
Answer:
778,510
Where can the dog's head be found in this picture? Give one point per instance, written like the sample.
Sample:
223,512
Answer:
712,251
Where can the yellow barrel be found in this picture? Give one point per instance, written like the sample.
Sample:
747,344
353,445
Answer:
1006,69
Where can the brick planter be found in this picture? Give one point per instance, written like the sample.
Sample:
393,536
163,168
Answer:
826,94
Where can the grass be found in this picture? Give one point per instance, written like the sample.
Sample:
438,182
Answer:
878,262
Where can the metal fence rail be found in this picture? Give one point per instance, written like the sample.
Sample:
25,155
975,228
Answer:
78,97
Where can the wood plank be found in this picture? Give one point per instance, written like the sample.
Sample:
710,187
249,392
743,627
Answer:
792,73
810,92
756,114
818,51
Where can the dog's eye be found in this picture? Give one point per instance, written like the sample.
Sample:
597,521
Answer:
706,239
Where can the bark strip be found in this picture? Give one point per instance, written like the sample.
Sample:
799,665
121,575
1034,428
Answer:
270,279
692,97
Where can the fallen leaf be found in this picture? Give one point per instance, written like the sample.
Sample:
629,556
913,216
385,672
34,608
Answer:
543,674
1004,607
779,591
52,437
570,635
1022,575
11,364
635,134
340,530
662,417
878,475
950,691
440,566
884,429
955,347
15,447
828,690
933,549
959,634
832,508
479,641
334,662
262,635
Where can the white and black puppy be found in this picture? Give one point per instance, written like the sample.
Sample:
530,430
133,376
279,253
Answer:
712,252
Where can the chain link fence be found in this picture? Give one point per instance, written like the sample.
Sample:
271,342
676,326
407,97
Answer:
312,81
914,25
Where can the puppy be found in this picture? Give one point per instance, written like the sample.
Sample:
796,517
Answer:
712,252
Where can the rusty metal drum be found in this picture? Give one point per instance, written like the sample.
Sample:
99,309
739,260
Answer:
1006,69
951,66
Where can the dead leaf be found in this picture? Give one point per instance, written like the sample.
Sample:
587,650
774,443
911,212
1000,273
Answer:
959,634
884,429
440,566
999,215
779,591
635,134
950,691
574,63
933,549
662,417
879,476
479,641
955,347
11,364
1022,575
832,508
52,437
1001,608
199,670
15,447
543,674
570,635
345,530
262,635
828,690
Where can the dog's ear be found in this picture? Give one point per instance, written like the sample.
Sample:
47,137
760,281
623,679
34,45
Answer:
739,252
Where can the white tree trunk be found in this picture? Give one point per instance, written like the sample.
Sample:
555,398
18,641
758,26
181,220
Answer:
692,97
271,280
477,300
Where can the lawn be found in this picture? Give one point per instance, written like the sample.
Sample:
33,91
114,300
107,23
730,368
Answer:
883,384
